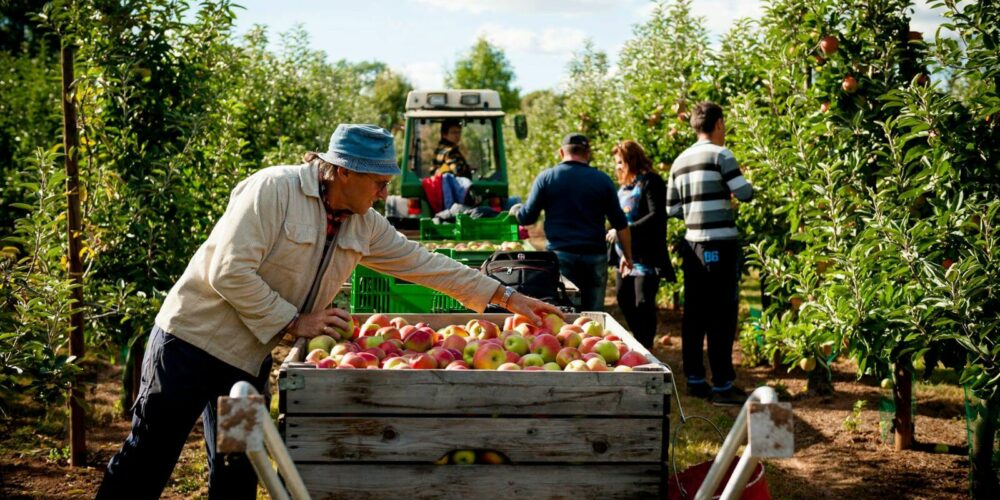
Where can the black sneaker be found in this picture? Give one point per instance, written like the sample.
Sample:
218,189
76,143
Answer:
733,396
699,390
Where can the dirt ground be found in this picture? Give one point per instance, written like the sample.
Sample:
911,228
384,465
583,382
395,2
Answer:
831,460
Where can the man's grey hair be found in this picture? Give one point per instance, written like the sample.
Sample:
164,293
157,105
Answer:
326,169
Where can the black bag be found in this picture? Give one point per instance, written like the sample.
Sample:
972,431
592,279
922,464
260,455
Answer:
533,273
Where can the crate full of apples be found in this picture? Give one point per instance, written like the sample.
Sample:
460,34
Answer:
477,405
381,342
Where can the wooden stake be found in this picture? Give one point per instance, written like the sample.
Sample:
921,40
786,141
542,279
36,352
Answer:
77,428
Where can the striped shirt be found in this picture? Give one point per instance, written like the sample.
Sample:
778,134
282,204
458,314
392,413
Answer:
701,180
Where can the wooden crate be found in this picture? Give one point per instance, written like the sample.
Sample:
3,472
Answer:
376,433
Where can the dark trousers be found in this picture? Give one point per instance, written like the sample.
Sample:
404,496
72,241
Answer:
179,382
589,272
637,300
711,299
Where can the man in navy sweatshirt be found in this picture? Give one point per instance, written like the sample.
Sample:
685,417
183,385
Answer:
577,199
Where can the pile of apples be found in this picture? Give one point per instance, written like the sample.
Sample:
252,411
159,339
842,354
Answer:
394,344
490,246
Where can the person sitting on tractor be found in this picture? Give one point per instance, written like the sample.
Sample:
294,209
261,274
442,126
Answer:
448,158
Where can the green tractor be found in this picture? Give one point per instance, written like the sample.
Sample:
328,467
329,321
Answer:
481,146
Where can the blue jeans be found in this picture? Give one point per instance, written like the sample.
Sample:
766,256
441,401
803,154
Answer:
179,382
589,272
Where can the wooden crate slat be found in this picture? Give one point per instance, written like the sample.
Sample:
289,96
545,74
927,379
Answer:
426,439
353,481
475,392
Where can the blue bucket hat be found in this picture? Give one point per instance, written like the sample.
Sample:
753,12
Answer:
362,148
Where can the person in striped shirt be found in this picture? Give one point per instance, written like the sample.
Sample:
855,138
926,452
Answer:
703,181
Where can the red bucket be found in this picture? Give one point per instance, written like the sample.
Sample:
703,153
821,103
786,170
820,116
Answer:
692,477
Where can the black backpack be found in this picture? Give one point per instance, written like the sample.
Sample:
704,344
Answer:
533,273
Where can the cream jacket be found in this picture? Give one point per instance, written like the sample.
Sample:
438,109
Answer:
251,276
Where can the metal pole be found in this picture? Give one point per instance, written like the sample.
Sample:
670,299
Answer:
733,441
77,428
276,447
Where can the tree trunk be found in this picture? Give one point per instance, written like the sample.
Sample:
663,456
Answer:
71,141
902,395
819,380
984,479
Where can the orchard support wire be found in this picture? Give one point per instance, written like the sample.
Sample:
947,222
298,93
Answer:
769,426
246,427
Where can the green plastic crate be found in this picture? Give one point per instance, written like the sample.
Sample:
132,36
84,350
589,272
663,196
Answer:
372,292
431,231
465,228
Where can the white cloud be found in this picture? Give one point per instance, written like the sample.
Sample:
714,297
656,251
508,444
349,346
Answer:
552,41
424,74
565,7
512,39
719,15
561,40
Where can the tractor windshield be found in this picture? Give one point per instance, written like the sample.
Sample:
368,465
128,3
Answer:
430,150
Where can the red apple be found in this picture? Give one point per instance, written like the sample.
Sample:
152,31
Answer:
442,356
379,319
405,330
398,322
419,340
850,84
394,363
378,353
577,365
489,356
316,355
512,357
532,368
553,322
389,332
371,360
526,329
567,354
423,362
547,346
456,342
823,108
829,44
622,368
326,363
355,360
491,458
458,364
587,345
597,365
590,355
509,366
569,338
483,329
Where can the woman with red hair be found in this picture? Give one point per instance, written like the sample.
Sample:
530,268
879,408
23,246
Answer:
642,196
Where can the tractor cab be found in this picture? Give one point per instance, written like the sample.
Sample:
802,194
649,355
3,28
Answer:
433,148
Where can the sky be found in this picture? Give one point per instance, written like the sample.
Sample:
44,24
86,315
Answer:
422,39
